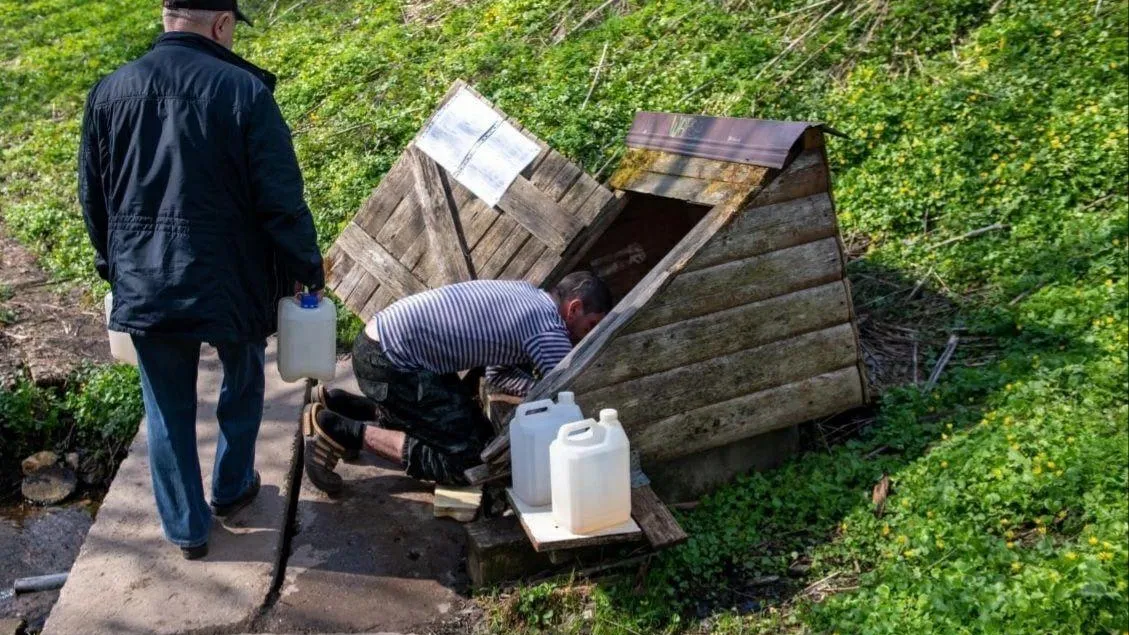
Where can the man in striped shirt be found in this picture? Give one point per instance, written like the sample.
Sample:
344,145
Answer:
416,409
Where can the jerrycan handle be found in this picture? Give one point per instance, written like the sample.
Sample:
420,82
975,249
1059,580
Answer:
526,408
564,435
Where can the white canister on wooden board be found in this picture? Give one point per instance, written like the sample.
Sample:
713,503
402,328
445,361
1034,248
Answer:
591,474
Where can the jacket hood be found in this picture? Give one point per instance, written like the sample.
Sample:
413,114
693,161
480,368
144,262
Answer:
203,44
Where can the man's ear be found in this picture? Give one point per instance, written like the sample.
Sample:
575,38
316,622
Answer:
220,25
574,308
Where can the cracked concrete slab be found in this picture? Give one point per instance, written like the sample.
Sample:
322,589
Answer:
374,559
128,579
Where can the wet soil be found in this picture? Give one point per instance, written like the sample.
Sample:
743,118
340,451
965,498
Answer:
38,541
46,330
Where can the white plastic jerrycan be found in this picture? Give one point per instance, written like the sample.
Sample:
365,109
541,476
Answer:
534,427
121,344
307,338
591,474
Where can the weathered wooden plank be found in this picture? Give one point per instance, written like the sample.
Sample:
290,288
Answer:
807,175
759,230
684,188
560,183
548,169
337,268
645,399
659,526
724,286
752,414
715,334
395,185
576,199
444,244
505,252
360,285
644,160
459,503
542,216
523,260
373,257
504,229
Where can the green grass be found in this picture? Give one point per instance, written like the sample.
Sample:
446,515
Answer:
1013,519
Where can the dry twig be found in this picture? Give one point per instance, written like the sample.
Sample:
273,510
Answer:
950,348
972,234
588,16
596,78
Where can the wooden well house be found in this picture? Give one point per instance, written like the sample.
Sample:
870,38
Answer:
718,237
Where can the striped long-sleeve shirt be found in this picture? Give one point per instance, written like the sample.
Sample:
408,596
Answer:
487,323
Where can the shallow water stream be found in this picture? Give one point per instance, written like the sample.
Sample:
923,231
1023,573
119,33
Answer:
38,541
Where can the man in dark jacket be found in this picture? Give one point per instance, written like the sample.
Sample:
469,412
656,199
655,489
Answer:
193,200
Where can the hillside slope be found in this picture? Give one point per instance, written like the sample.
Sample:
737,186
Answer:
1009,510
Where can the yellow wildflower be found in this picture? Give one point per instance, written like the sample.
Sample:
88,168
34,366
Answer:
1093,540
1070,555
885,530
1015,566
1105,556
1050,465
1010,545
944,464
902,539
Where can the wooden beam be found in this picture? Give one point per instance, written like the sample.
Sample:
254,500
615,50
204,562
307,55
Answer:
749,415
685,188
540,215
445,245
760,230
659,162
713,289
807,175
690,341
659,526
649,398
377,261
393,187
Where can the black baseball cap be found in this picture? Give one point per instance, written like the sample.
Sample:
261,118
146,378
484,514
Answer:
209,5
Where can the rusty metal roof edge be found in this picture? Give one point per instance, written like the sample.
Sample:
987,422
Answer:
762,142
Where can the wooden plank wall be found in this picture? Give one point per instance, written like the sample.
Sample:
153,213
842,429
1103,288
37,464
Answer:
524,237
755,333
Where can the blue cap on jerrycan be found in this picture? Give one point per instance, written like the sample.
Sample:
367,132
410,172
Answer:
309,300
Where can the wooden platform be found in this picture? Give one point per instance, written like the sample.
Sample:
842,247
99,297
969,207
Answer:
546,535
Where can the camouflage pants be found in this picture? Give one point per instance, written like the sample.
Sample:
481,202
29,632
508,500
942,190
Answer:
445,427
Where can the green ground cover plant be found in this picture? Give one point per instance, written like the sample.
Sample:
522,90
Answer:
1009,511
95,412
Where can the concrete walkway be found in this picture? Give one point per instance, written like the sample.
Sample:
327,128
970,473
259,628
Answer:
374,559
128,579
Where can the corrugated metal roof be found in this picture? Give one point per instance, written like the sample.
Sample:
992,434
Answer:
760,142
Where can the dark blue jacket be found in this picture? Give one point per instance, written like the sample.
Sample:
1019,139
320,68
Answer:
192,194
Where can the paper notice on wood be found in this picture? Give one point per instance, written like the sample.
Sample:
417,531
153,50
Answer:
474,145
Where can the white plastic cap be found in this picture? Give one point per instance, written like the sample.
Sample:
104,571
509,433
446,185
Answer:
566,398
609,416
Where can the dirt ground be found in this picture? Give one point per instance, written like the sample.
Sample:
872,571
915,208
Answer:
46,330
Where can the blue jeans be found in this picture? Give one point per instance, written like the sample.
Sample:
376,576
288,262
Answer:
168,385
